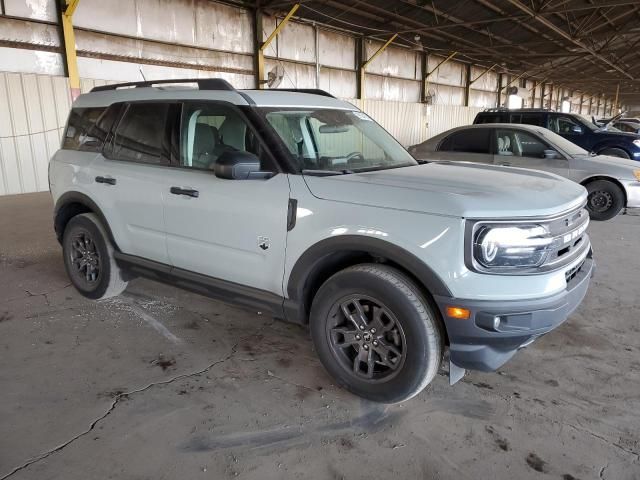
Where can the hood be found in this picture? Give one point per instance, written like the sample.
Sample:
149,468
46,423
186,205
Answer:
628,136
457,189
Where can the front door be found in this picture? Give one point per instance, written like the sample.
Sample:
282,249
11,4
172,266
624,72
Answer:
519,148
231,230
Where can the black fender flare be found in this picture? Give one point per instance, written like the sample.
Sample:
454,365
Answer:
345,245
74,197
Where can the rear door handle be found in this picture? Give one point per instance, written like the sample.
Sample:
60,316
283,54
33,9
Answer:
107,180
185,191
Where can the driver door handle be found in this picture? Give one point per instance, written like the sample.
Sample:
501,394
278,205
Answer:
107,180
189,192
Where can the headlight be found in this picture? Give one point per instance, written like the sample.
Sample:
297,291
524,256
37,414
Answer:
636,173
636,143
510,247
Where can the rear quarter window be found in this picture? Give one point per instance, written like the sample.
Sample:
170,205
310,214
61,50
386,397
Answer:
77,135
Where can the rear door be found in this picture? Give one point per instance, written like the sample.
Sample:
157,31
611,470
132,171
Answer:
520,148
469,145
230,230
130,174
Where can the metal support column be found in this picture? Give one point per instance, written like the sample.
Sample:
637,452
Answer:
363,66
260,78
67,8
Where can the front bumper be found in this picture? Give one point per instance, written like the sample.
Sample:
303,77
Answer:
632,190
483,343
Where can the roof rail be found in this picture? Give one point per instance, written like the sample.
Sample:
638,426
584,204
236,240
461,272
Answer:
203,84
505,109
312,91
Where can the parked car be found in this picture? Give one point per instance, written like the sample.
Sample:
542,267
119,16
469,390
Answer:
627,126
573,127
613,183
297,204
604,121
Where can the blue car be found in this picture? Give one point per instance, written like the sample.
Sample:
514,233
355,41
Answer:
601,140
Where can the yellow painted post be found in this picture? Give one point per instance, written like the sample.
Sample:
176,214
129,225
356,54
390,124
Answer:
363,67
265,44
426,78
70,46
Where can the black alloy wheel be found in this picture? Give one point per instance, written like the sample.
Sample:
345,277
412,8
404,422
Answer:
366,338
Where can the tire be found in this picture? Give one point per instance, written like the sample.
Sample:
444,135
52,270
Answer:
614,152
89,260
605,199
405,351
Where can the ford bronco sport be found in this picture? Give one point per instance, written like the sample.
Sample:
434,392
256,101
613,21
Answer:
297,204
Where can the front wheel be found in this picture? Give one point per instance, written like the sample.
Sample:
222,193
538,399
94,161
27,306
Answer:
614,152
375,333
89,259
605,199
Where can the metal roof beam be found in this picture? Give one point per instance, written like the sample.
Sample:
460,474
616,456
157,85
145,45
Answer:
553,27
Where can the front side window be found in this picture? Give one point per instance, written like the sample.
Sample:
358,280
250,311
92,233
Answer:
142,134
209,130
564,126
336,140
473,140
518,143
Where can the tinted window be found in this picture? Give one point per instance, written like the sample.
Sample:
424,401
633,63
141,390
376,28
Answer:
473,140
141,135
81,122
531,119
490,118
209,130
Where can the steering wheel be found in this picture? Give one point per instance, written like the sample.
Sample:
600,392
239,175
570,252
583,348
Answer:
354,156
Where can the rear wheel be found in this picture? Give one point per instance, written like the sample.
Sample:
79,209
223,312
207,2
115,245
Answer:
89,259
614,152
605,199
375,333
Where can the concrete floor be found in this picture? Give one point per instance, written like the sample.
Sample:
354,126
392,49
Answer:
162,384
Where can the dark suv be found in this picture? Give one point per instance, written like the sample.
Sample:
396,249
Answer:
571,126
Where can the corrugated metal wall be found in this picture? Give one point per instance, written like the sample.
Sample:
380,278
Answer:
36,109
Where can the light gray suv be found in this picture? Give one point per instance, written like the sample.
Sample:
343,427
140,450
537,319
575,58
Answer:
297,204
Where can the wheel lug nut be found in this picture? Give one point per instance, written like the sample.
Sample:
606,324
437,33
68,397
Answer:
366,347
373,330
375,343
358,337
361,327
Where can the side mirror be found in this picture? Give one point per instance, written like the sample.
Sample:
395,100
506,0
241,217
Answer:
550,154
236,165
576,129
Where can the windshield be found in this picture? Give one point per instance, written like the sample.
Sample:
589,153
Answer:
562,143
332,140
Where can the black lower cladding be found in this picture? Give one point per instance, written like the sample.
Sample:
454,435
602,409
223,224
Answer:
497,329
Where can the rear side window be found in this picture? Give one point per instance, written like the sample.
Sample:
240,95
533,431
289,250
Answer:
78,135
142,134
490,118
474,140
531,119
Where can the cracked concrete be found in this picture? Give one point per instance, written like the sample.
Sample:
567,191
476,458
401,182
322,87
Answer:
92,390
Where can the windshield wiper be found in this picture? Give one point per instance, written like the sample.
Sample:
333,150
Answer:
325,173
